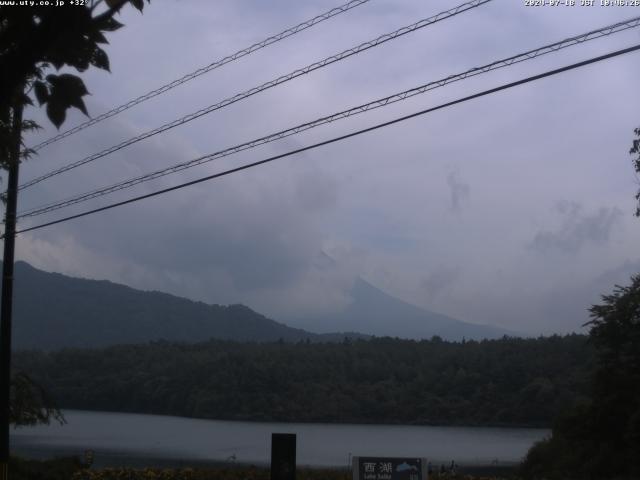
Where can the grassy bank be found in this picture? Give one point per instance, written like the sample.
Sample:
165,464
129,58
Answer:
241,474
57,469
73,469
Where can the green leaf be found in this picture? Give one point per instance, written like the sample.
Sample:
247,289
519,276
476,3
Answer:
139,4
100,59
110,24
67,84
26,100
41,91
66,91
57,63
98,37
79,104
27,153
56,113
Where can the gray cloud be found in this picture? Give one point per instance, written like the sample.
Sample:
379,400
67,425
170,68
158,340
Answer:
317,191
439,280
577,229
571,305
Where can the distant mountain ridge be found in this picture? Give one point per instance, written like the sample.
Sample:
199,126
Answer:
53,311
378,313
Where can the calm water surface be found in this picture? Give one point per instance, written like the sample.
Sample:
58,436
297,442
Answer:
121,435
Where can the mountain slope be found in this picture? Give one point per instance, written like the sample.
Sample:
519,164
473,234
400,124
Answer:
377,313
54,311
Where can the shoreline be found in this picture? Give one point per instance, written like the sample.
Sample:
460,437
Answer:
72,467
121,459
261,420
149,441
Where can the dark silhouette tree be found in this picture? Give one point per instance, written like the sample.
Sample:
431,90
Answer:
35,40
615,413
601,438
30,403
35,43
635,150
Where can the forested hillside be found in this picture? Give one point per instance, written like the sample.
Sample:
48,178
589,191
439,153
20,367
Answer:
495,382
54,311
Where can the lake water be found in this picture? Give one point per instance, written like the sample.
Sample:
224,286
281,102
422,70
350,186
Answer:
120,438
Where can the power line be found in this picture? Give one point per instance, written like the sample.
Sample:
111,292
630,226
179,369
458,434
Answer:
206,69
340,138
282,79
529,55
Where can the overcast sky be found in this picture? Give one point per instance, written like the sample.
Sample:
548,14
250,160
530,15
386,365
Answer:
515,209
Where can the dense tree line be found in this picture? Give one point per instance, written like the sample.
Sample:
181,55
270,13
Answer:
498,382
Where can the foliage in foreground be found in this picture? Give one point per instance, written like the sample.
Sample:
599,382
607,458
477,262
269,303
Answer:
600,438
635,150
72,469
29,403
37,40
499,382
249,473
57,469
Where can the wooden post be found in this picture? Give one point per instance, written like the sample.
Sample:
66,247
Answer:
7,290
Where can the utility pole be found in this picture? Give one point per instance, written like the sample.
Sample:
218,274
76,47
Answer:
7,285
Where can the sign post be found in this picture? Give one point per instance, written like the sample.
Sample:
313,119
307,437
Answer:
389,468
283,456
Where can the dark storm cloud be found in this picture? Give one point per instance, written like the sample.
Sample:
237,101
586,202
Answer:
577,229
254,242
459,190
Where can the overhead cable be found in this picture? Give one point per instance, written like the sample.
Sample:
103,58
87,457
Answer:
528,55
248,93
337,139
206,69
